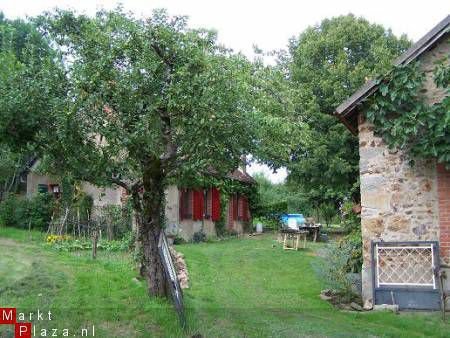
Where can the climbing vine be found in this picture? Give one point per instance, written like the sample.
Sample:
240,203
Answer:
404,119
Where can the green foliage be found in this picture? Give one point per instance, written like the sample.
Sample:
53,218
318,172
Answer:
327,210
86,244
153,90
326,64
199,237
114,220
278,198
404,119
32,84
344,257
350,220
177,240
10,166
353,242
333,270
34,213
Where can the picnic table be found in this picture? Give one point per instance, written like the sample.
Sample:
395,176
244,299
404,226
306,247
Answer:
313,229
292,239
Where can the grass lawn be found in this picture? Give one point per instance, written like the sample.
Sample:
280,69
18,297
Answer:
238,288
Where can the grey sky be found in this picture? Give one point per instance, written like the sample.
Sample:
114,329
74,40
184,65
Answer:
268,24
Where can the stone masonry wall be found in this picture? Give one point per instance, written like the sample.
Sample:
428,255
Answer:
399,202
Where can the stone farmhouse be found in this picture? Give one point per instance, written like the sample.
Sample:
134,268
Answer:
405,210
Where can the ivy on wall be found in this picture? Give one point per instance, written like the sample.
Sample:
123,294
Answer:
404,119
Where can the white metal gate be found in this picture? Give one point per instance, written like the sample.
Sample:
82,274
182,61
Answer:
405,273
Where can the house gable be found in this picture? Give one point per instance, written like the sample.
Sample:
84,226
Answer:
348,111
400,202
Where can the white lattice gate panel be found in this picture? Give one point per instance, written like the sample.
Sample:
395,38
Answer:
405,265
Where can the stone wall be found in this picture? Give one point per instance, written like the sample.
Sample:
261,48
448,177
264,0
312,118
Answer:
33,181
103,196
399,201
100,196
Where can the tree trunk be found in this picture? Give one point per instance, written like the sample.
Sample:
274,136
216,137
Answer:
149,208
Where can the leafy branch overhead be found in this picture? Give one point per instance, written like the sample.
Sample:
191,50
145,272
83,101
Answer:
404,117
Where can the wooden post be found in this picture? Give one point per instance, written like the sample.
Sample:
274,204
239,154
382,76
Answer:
94,243
29,230
78,221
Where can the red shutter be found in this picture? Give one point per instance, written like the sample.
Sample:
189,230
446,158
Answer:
215,207
245,209
198,205
235,206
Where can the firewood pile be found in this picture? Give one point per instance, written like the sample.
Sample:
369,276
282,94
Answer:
181,268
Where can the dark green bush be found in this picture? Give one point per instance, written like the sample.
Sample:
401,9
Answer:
39,211
178,240
199,237
20,212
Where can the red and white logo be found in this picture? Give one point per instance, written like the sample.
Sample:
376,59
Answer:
8,316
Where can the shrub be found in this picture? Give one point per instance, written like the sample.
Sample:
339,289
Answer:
22,213
344,258
220,227
39,211
178,240
333,270
199,237
354,243
10,208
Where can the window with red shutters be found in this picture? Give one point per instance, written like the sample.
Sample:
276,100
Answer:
198,205
240,203
243,213
246,209
215,204
235,206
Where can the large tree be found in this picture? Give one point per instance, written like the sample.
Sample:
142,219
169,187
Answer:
30,81
325,65
147,101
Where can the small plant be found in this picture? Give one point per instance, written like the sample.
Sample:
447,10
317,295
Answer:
199,237
51,239
344,258
232,233
333,270
178,240
68,243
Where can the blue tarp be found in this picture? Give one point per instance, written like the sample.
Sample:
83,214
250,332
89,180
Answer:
300,220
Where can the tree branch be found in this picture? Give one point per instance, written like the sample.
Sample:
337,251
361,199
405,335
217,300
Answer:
121,184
